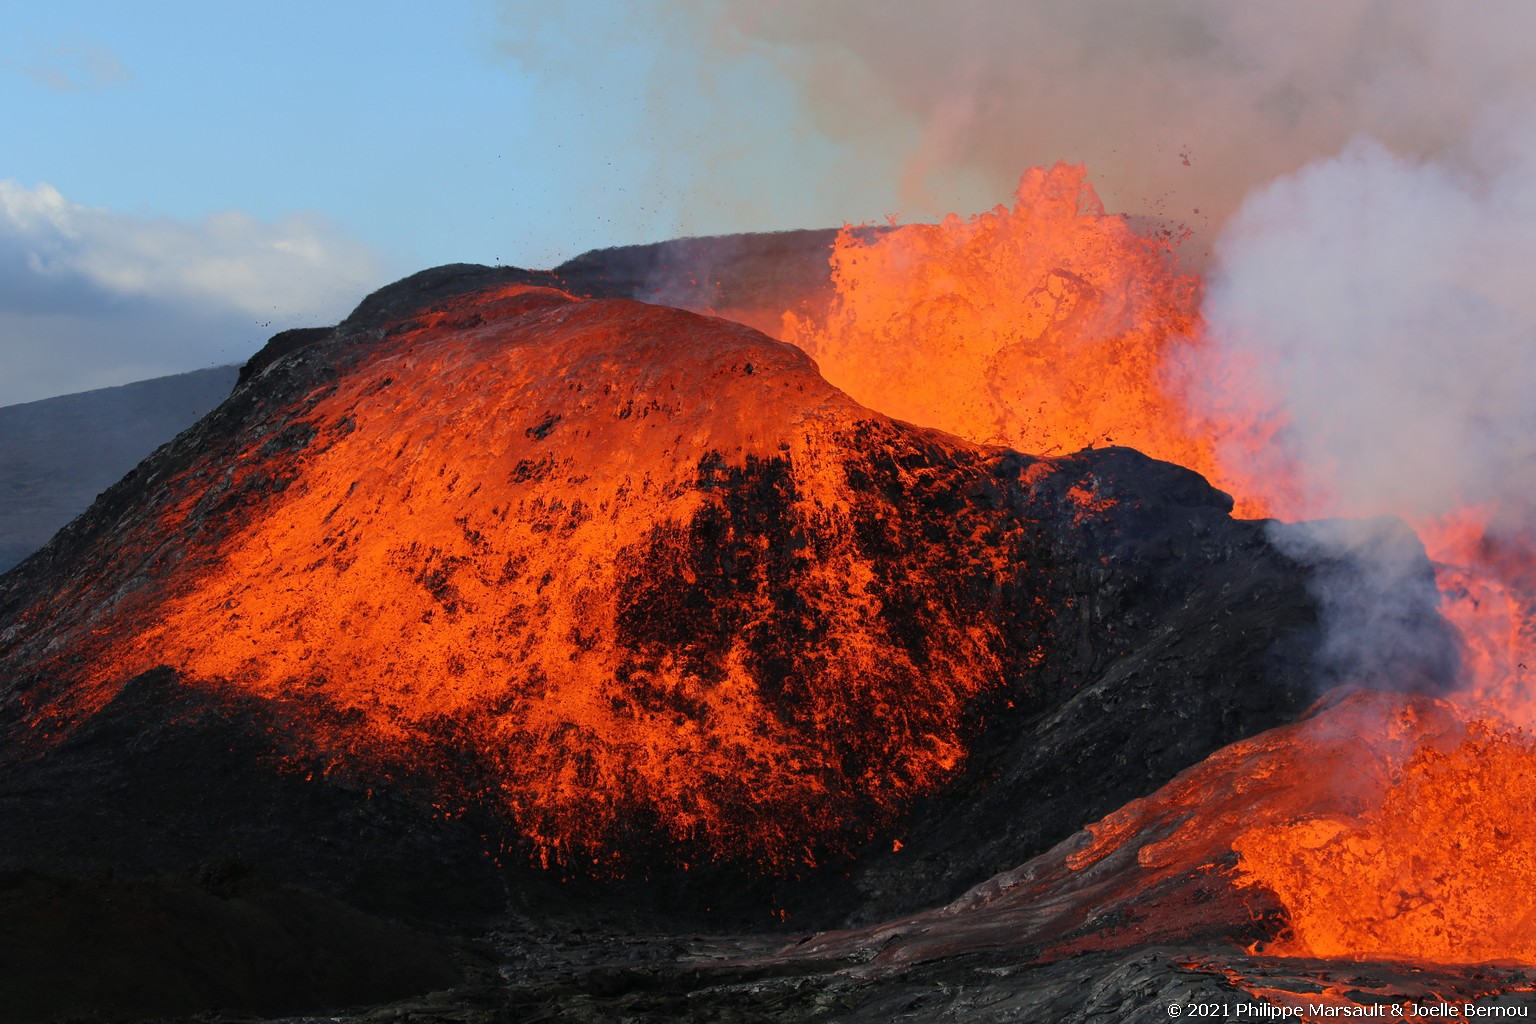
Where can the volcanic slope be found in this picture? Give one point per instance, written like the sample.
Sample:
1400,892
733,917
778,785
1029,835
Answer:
493,599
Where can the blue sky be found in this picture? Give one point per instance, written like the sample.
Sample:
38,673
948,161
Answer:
407,126
378,137
179,180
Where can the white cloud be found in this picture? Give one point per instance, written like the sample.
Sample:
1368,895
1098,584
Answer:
79,67
298,264
91,296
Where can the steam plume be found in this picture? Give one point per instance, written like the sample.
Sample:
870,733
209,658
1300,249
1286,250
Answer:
1384,302
1387,301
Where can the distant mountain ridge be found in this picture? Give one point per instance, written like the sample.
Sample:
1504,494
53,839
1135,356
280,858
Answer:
57,454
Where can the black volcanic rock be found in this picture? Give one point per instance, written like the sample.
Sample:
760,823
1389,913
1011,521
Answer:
772,271
328,634
123,949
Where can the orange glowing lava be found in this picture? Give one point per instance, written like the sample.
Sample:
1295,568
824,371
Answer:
1049,328
1487,578
493,535
1439,868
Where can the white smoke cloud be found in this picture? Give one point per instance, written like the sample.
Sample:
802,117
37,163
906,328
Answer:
1388,301
91,297
1384,303
1380,625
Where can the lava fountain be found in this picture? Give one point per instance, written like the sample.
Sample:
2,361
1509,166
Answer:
1047,327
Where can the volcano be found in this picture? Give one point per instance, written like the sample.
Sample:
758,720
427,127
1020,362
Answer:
526,642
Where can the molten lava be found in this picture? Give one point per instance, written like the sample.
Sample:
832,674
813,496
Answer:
1438,868
1439,865
1049,328
1488,580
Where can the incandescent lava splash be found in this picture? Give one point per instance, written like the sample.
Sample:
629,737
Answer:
1050,327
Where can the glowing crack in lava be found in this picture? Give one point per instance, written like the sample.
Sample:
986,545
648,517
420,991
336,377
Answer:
509,527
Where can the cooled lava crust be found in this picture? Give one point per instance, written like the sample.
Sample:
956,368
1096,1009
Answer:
494,600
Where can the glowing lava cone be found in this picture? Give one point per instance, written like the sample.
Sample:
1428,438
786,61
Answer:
630,590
